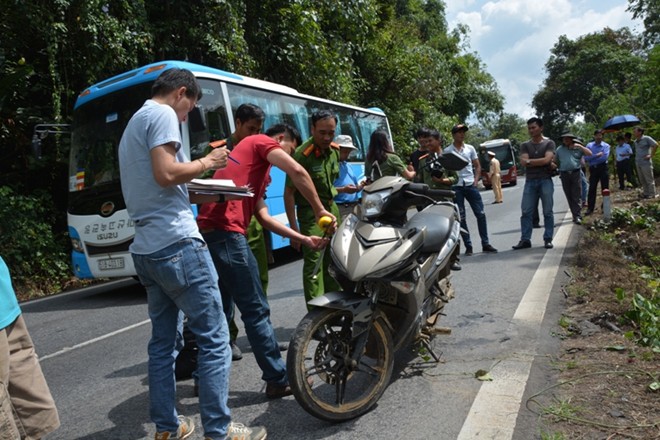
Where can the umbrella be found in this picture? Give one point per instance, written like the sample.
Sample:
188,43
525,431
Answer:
621,121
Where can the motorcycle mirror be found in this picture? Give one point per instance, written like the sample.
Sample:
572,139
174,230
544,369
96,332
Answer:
453,161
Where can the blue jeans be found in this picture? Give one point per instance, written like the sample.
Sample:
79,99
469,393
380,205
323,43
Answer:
472,195
239,278
180,279
534,190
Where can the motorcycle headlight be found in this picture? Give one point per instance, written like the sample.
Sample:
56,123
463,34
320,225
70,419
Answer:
372,203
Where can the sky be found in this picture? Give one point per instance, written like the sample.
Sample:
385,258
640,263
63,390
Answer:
514,37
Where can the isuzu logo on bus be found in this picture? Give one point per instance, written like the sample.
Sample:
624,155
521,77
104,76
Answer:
107,208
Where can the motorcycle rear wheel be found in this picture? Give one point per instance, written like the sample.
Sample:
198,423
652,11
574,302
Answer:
323,383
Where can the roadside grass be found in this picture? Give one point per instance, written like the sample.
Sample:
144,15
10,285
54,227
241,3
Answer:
608,374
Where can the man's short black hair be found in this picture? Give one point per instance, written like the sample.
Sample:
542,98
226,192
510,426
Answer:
248,112
423,133
435,134
172,79
323,114
535,120
287,129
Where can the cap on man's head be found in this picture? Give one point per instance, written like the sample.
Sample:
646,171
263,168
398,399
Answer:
568,135
345,141
459,127
492,153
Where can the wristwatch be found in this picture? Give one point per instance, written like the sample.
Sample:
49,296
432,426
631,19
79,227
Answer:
528,161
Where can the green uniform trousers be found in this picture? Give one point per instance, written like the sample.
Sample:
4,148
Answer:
324,282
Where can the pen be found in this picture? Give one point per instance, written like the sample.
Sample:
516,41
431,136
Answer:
233,160
222,143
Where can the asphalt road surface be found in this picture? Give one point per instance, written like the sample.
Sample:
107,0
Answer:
93,342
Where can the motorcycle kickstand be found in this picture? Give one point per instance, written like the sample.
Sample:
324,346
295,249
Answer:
425,341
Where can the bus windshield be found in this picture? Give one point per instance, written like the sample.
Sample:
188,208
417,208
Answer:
98,127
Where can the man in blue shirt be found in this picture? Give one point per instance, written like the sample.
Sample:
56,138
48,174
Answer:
623,165
347,183
600,152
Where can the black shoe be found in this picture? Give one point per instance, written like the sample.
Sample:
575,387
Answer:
468,251
236,354
489,249
536,225
196,389
577,220
456,266
548,244
283,346
589,212
274,391
522,244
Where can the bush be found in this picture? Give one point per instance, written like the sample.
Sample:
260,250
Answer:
36,257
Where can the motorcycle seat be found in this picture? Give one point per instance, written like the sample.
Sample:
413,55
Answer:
437,222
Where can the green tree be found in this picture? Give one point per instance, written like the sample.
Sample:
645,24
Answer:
648,11
584,72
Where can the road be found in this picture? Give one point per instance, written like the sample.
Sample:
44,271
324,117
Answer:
92,344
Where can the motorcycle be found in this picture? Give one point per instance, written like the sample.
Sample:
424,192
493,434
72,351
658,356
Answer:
395,277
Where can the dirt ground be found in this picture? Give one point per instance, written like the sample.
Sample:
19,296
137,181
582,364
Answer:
605,388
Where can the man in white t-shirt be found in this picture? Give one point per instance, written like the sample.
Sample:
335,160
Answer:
173,261
466,189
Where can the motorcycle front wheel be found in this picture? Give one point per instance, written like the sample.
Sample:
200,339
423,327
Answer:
323,379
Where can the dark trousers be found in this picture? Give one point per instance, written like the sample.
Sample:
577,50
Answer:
624,171
571,183
597,173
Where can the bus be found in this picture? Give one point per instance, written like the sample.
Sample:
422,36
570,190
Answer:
505,154
99,226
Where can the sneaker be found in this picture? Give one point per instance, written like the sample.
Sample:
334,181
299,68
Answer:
283,346
186,427
236,354
275,391
238,431
522,244
468,251
548,244
456,266
489,249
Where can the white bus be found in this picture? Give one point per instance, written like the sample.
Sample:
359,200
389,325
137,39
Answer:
99,226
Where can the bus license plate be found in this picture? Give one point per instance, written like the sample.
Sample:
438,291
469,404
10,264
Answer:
111,263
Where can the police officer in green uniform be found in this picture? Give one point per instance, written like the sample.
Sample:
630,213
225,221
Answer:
249,120
320,157
428,172
432,175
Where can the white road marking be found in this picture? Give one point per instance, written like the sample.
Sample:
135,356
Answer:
91,341
495,409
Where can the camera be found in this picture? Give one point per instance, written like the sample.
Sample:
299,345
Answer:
434,167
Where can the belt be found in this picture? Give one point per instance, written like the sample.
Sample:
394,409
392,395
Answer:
598,165
571,171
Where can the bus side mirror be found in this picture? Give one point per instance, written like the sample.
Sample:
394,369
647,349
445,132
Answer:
196,120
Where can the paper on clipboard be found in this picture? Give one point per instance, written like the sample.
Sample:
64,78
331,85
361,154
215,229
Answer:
218,186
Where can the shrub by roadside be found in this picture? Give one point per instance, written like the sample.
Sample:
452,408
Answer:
26,230
608,372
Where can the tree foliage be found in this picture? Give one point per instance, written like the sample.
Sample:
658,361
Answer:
649,12
394,54
582,73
